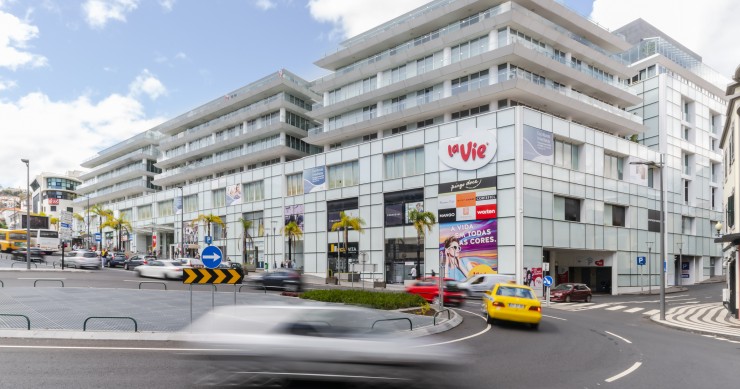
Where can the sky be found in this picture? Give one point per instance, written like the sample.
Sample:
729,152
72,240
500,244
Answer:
77,76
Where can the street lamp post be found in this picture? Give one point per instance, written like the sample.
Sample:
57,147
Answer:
660,165
274,238
87,238
182,222
649,258
28,213
680,263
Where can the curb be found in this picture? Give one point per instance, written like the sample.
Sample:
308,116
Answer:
93,335
446,325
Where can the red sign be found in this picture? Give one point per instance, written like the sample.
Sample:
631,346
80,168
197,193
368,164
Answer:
485,212
600,262
154,241
53,201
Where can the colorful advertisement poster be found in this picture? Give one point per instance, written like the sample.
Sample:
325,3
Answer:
533,277
233,194
314,179
538,145
294,213
465,245
418,206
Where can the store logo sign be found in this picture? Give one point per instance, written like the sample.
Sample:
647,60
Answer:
471,151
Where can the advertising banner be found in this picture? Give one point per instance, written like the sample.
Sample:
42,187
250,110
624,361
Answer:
538,145
294,213
178,205
393,215
467,245
314,179
418,206
233,194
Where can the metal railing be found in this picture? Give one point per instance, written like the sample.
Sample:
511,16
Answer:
22,263
449,315
48,279
411,325
153,282
14,315
136,325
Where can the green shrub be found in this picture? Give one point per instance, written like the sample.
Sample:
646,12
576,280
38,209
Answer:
377,300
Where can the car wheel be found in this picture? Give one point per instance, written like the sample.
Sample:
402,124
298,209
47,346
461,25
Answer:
125,267
534,326
567,299
486,316
588,299
292,288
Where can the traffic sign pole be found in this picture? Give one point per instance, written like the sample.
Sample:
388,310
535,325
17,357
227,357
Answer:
547,281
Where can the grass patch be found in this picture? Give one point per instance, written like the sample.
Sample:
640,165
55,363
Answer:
376,300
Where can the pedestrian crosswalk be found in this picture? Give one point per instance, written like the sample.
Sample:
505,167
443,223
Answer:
643,307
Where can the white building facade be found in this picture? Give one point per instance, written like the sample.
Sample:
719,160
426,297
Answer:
402,123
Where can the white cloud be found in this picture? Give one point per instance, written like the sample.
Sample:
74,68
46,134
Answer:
181,55
58,135
265,4
7,84
354,17
98,12
708,28
146,83
167,4
14,37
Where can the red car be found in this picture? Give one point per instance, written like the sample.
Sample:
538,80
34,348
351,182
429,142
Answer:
570,292
429,290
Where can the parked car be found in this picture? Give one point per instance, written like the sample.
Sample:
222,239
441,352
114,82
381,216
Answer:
257,346
231,265
512,302
137,260
83,259
428,288
287,279
165,269
478,284
116,260
37,255
570,291
191,262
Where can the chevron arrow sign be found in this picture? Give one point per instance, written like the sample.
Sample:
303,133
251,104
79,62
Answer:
211,276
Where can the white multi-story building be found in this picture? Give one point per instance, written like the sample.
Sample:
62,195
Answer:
514,122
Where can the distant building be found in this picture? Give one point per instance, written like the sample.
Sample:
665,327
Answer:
54,193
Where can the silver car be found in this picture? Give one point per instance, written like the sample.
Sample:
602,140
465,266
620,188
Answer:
83,259
478,284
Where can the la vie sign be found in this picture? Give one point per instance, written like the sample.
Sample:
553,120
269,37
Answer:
471,151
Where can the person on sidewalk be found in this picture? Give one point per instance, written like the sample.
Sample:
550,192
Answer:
413,273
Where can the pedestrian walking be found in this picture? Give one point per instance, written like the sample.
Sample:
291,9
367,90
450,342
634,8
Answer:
413,273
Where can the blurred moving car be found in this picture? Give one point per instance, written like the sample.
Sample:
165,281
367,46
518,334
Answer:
277,346
512,302
116,260
570,291
428,288
83,259
231,265
37,255
137,260
165,269
192,262
478,284
287,279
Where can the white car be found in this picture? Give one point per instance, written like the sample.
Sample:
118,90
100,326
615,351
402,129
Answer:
80,259
478,284
166,269
270,346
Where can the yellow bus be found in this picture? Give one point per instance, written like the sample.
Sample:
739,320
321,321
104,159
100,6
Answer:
12,240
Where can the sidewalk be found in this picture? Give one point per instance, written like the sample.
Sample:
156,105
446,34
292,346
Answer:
708,319
312,279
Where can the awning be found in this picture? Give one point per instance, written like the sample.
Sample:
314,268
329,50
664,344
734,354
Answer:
732,239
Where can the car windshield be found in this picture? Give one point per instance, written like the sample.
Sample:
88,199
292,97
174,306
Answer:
511,291
89,255
563,287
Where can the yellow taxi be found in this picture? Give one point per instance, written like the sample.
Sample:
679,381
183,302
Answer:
512,302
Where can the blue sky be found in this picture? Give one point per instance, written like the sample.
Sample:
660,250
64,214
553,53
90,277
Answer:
77,76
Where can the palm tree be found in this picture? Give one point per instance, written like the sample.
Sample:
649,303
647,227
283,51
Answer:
246,225
345,223
102,213
118,224
293,231
208,220
54,221
421,220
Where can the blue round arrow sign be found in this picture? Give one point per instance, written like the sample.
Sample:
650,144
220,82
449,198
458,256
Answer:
211,257
548,281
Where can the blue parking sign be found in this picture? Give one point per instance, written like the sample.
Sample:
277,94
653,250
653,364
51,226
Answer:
641,261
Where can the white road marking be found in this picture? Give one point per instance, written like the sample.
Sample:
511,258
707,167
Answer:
618,307
554,317
41,278
624,373
617,336
633,310
107,348
599,306
651,312
488,328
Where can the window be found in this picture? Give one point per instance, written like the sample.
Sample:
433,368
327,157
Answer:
404,163
468,112
687,224
470,82
566,155
219,197
615,215
714,196
345,174
144,212
731,211
613,167
424,123
686,164
566,208
295,184
398,130
254,191
190,203
686,186
218,231
126,214
715,172
688,111
165,208
366,138
53,208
